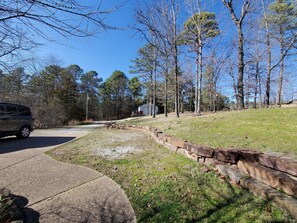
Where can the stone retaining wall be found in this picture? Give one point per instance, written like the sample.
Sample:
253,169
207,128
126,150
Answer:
247,168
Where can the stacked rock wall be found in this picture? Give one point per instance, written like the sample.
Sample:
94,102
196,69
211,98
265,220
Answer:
270,175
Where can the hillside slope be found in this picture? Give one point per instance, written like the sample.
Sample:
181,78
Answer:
263,129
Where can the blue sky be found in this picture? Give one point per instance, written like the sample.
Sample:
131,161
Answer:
107,51
104,53
114,49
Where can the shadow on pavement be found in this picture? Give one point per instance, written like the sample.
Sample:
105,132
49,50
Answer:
8,145
13,209
111,207
29,215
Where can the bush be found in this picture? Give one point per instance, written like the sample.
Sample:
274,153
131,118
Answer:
9,209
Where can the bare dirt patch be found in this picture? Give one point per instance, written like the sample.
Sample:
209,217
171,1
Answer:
118,144
118,152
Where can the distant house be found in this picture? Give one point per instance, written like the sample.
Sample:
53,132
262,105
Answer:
146,108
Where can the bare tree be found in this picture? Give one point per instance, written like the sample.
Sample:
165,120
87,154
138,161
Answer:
280,24
147,25
154,82
283,21
216,62
82,19
255,59
145,65
268,48
158,24
174,11
238,21
231,73
199,29
38,17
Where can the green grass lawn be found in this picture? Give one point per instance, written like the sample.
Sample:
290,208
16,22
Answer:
164,186
262,129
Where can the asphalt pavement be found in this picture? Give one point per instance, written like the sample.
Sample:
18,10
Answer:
52,191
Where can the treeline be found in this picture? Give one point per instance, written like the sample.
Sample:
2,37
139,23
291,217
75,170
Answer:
59,95
194,53
162,88
196,48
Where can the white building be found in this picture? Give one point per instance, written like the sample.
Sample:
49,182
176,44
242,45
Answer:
146,108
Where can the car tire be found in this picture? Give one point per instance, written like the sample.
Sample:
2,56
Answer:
24,132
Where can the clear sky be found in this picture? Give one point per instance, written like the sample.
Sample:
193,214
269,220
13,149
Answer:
108,51
114,49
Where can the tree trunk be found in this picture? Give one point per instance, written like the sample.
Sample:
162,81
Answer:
1,86
211,93
281,74
268,79
209,98
257,84
260,92
176,81
197,81
180,98
154,83
190,96
247,94
200,80
234,89
154,101
268,48
151,94
147,106
240,91
175,55
238,22
166,91
214,93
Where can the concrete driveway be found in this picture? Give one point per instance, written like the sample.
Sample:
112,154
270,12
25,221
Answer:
13,150
51,191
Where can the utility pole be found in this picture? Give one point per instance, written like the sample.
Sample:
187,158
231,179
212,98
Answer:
87,106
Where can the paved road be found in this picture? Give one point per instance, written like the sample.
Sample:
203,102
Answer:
52,191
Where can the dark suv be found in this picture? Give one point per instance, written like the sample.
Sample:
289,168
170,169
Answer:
15,120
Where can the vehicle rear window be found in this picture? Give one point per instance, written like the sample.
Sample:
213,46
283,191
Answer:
2,110
12,110
24,111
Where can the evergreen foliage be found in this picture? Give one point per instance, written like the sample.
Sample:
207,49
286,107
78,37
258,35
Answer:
59,95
